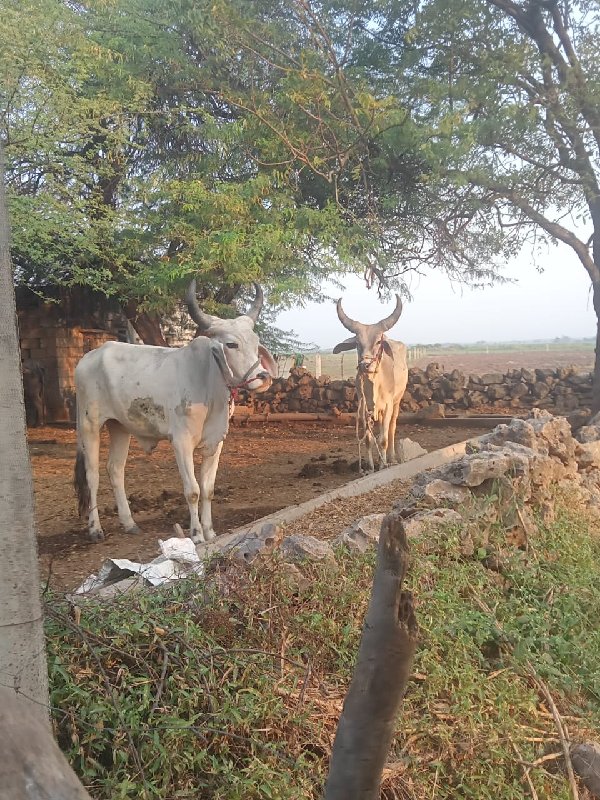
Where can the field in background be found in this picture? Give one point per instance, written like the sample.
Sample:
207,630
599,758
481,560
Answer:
472,359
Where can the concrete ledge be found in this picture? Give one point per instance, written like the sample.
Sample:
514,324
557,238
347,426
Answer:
361,486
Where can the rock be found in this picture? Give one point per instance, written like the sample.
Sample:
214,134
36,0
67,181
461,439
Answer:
588,433
433,370
476,468
540,390
547,512
407,449
362,534
424,521
244,546
555,432
491,378
517,430
432,411
585,758
435,492
297,548
587,455
294,577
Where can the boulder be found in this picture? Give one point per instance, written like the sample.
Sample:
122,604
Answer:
587,455
491,378
588,433
476,468
433,491
298,548
407,449
424,521
432,411
244,546
362,534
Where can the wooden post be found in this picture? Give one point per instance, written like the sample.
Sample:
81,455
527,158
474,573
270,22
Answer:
385,656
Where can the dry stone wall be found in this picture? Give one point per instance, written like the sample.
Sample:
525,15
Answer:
562,390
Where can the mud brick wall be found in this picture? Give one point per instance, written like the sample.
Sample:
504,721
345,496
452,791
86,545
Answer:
563,390
55,335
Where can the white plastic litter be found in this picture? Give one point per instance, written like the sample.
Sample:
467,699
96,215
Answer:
183,550
178,560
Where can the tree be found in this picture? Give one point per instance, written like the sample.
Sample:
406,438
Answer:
22,645
130,169
506,96
30,762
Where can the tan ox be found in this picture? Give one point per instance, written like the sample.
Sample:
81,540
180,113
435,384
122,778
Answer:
381,381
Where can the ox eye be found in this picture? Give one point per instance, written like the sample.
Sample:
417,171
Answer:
232,345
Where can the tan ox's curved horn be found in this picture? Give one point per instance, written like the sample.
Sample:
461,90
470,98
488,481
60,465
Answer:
202,320
348,323
389,322
257,304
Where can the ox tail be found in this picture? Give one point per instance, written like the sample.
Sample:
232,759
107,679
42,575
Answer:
80,482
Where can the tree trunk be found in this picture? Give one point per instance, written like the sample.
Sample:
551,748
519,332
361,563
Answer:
22,645
31,765
387,647
596,383
146,325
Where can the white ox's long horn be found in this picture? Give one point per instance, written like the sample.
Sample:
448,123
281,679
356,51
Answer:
202,320
348,323
385,324
257,304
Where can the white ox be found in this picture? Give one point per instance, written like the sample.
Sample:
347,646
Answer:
381,381
156,393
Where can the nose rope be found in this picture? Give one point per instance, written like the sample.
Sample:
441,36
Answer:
244,381
376,358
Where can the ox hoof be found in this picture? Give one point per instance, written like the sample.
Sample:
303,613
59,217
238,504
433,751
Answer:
96,535
132,529
209,536
197,537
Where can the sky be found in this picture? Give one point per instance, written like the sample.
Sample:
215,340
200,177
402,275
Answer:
555,302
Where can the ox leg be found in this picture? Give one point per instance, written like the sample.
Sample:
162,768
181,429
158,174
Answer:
369,439
208,473
391,451
117,456
184,455
90,445
380,437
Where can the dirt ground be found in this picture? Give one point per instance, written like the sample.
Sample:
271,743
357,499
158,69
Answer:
259,474
479,363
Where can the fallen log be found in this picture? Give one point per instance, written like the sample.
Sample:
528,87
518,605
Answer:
245,416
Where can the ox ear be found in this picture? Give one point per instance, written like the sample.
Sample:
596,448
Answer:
347,344
267,361
387,348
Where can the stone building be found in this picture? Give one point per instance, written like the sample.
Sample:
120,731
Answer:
57,329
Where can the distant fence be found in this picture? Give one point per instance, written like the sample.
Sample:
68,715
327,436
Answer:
338,367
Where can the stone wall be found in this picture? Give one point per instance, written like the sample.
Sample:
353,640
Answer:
563,390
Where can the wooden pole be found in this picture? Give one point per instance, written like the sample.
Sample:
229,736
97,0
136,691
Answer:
385,657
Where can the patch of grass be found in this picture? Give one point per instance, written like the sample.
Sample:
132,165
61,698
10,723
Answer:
184,694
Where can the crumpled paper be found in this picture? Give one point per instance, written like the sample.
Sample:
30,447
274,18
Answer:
178,560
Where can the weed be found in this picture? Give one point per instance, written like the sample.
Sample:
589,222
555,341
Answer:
180,693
